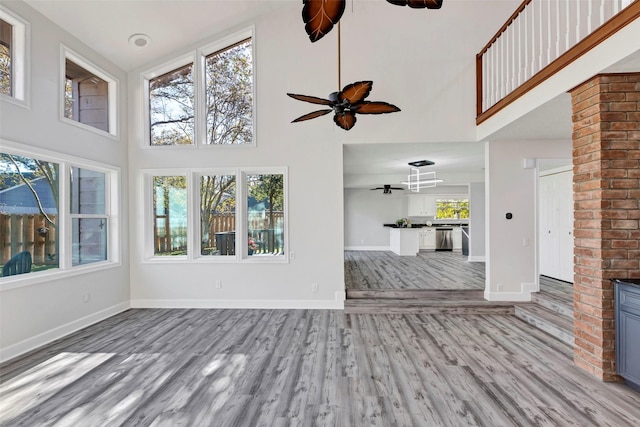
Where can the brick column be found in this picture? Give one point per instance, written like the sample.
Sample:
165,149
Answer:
606,185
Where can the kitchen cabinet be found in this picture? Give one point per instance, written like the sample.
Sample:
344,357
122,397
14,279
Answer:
627,312
427,238
456,236
422,205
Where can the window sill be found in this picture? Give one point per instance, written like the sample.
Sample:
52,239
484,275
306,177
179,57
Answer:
29,279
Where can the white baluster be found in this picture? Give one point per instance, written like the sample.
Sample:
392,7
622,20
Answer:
567,26
548,6
558,19
520,48
577,18
540,30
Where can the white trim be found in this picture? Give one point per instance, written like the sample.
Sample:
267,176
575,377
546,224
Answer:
477,259
367,248
524,295
20,59
44,338
112,92
239,304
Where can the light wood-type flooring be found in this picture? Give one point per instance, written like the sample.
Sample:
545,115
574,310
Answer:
160,367
427,270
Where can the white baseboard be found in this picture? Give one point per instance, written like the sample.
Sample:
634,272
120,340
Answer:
367,248
240,304
476,258
39,340
523,296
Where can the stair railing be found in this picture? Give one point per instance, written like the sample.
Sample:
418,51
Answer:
539,39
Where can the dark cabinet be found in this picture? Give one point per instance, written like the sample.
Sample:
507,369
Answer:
627,310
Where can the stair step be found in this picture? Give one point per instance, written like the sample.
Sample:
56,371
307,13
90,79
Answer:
424,306
549,321
558,304
425,294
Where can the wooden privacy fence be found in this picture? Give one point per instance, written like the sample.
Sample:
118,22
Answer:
28,233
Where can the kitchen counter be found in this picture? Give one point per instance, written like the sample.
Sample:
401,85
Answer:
403,241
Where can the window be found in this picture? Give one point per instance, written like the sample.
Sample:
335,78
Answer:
229,95
89,94
170,215
452,209
13,51
218,215
29,214
6,36
171,107
265,214
37,233
89,216
204,99
225,204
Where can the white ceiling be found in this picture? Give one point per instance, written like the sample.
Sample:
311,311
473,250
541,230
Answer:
106,26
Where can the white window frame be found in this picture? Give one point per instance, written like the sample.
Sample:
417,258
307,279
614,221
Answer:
148,235
149,75
243,228
112,209
105,215
20,70
198,58
202,53
197,174
112,92
193,215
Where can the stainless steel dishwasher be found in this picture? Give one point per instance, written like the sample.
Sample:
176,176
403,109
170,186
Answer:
444,241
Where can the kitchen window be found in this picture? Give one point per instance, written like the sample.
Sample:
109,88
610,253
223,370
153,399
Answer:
452,209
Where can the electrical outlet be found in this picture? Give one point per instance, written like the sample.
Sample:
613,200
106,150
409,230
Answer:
525,242
86,297
218,284
292,255
499,286
314,287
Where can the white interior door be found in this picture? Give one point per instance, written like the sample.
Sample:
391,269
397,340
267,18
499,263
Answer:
555,236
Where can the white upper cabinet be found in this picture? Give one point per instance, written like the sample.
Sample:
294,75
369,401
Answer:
422,205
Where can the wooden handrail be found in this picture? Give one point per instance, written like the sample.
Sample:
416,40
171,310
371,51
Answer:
505,26
602,33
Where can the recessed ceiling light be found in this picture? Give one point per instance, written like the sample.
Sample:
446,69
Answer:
140,40
420,163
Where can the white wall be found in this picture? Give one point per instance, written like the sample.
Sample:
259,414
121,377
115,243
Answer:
34,314
510,244
287,62
365,212
477,221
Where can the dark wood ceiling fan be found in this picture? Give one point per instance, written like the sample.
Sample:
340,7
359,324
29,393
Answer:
320,16
345,104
